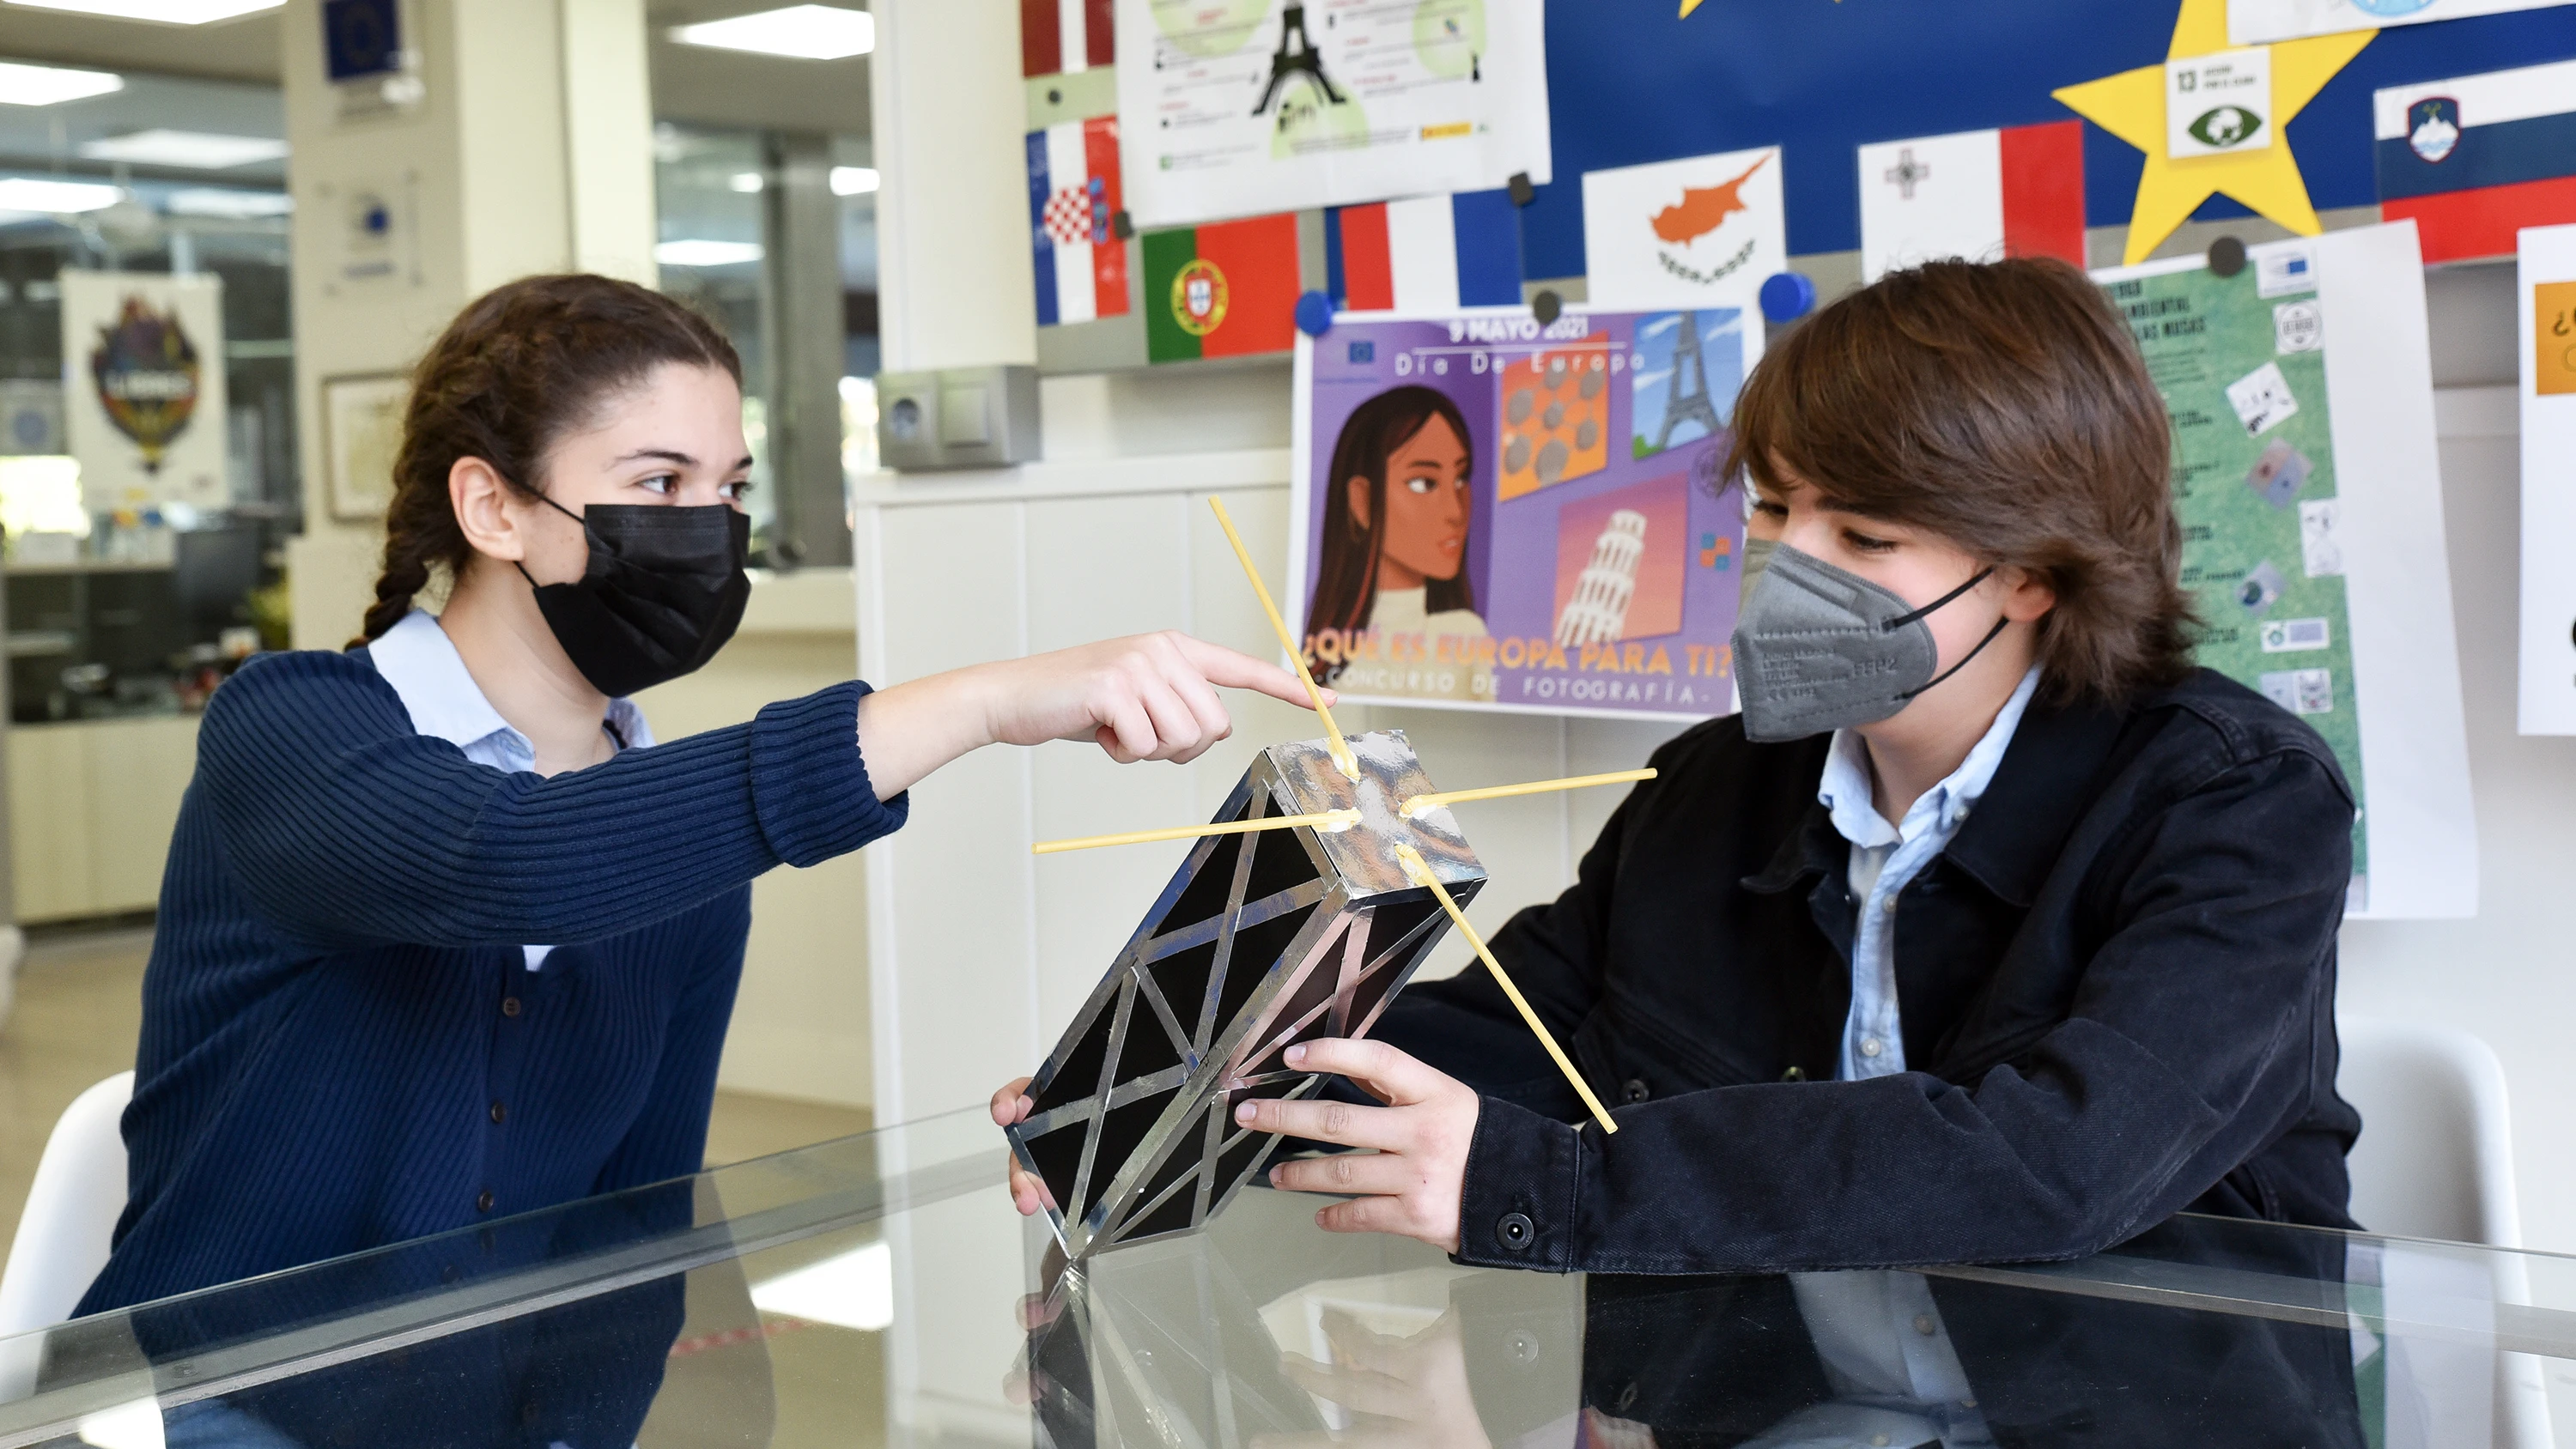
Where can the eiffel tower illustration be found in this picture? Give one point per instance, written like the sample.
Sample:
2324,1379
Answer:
1688,401
1295,54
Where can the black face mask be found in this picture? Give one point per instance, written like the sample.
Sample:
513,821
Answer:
663,591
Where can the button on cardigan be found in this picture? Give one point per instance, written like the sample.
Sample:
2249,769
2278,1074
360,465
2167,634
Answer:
337,997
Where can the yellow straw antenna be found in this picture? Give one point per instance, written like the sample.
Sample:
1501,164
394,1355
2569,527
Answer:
1340,747
1415,867
1322,820
1432,800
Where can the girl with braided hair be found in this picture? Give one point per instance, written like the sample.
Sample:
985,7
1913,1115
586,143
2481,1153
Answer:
444,934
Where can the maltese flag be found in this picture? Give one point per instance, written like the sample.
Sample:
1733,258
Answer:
1073,193
2014,192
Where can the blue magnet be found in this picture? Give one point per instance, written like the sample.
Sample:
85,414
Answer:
1314,314
1787,296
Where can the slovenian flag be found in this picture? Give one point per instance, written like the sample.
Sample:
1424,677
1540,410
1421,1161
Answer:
1065,35
2476,159
2013,192
1073,193
1427,254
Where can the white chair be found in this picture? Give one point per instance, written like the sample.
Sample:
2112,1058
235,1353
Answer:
2435,1160
71,1211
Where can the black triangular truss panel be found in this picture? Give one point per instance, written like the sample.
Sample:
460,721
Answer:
1261,940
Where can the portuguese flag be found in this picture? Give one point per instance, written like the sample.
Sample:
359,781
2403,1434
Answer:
1222,290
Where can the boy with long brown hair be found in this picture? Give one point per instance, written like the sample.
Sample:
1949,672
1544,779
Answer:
1991,928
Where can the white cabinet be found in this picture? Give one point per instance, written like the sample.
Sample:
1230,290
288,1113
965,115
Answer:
91,807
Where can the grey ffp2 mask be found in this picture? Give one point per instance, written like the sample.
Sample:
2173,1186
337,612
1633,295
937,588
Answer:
1820,649
1757,557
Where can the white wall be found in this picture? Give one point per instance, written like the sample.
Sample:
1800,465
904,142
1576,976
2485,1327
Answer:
2506,974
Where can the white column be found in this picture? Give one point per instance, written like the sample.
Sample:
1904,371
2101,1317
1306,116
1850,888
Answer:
950,119
530,151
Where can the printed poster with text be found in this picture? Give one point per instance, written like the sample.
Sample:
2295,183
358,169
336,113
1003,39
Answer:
2241,363
1232,108
1491,513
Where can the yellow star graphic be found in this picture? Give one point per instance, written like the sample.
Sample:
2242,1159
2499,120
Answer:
2131,106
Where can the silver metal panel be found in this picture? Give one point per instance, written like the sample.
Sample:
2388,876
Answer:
1364,855
1156,1039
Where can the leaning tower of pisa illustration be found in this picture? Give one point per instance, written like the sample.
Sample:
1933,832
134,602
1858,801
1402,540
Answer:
1599,607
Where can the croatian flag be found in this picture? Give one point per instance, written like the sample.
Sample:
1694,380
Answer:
1427,254
2476,159
2014,192
1065,35
1073,192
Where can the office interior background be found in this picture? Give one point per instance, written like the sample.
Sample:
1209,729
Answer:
845,215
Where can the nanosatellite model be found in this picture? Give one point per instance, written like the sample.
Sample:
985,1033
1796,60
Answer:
1308,903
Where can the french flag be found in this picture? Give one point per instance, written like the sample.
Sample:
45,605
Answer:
2476,159
1426,254
2013,192
1065,35
1073,192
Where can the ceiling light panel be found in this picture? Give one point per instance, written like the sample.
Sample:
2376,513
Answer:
38,194
853,180
195,150
164,12
48,85
697,252
215,201
807,32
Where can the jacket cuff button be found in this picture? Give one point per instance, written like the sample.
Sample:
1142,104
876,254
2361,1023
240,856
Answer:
1515,1232
1635,1091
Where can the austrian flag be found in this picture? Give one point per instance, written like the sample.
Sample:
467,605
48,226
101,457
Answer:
1058,36
1073,193
2014,192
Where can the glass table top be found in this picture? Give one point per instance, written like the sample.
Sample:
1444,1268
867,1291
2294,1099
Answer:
880,1290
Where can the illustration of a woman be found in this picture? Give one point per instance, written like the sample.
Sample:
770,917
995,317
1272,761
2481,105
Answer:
1394,552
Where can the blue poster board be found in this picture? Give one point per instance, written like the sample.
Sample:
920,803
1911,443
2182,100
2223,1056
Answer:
1629,82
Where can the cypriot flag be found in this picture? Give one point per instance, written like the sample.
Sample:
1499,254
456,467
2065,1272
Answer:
1699,232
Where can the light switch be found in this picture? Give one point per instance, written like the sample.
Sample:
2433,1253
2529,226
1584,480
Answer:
964,421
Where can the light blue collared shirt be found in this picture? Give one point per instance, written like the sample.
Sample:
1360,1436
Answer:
1896,1377
418,659
1885,859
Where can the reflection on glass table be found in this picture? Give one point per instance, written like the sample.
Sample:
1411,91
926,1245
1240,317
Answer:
880,1290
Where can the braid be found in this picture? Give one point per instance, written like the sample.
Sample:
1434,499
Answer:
406,573
520,366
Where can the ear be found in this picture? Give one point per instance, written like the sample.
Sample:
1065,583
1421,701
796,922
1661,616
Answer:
483,510
1359,490
2027,595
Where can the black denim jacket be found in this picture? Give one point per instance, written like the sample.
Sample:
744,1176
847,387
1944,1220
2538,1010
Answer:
2116,985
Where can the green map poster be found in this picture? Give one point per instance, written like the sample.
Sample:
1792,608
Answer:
2241,364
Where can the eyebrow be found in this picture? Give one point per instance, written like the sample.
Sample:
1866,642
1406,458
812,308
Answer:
1829,502
673,455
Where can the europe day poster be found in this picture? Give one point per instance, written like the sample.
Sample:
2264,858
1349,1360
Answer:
1494,513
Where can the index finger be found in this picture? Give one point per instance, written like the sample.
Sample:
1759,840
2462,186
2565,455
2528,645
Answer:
1398,1078
1336,1122
1241,671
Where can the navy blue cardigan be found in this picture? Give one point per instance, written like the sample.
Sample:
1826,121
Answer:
342,1046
